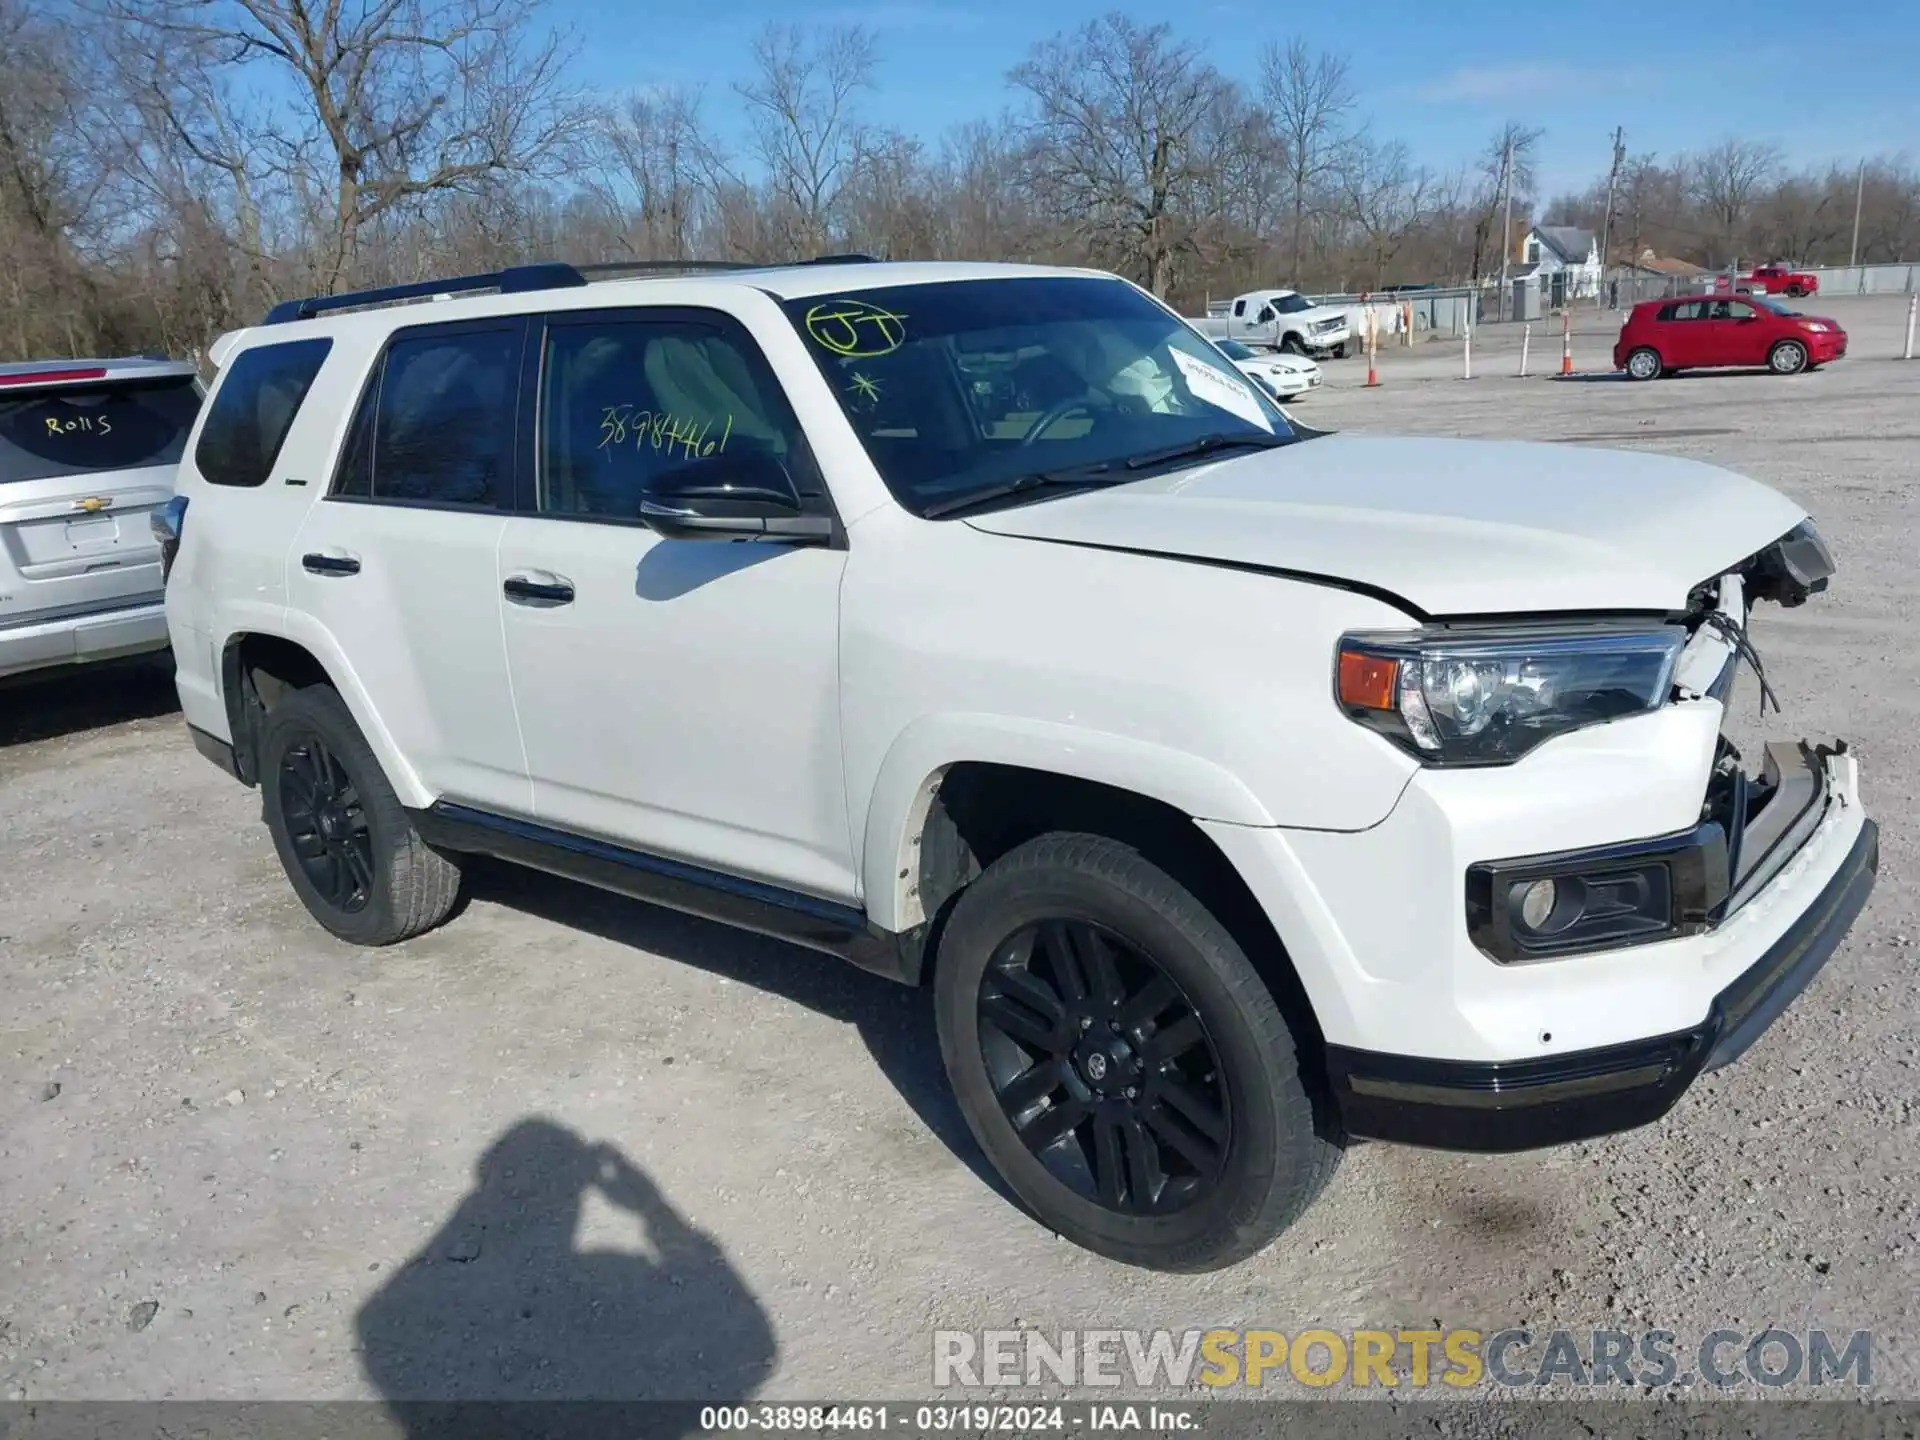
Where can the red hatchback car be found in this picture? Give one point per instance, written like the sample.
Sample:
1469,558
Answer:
1662,336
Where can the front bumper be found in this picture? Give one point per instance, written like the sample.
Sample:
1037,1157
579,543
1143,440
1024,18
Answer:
1524,1104
1431,1039
75,639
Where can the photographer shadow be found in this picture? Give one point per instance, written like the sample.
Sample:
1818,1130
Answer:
499,1325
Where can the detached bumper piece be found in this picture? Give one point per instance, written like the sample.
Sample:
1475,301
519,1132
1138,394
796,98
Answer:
1552,1100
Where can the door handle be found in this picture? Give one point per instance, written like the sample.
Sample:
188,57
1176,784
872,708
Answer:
538,587
330,562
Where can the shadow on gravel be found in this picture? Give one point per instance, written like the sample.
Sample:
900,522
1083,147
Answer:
91,697
896,1023
499,1318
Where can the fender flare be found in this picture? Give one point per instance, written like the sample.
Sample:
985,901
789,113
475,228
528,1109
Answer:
298,629
920,756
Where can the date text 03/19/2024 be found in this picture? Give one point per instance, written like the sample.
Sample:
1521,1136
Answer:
933,1419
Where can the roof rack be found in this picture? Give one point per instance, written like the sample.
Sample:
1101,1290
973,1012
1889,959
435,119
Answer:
550,275
518,279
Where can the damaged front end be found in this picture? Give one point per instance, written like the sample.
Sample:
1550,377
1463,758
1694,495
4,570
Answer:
1759,817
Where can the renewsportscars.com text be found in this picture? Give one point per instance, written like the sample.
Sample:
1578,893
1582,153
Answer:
1456,1358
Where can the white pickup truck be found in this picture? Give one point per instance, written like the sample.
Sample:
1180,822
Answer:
1282,320
1234,791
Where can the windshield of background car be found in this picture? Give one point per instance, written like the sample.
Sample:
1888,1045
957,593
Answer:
966,384
1234,350
1292,304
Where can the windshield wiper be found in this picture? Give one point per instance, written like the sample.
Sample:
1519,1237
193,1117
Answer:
1084,476
1205,445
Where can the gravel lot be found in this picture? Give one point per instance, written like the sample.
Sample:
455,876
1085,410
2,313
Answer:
241,1160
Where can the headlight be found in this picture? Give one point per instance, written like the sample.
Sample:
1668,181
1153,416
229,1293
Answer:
1487,699
1816,326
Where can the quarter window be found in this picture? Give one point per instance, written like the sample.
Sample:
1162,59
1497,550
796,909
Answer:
254,408
624,401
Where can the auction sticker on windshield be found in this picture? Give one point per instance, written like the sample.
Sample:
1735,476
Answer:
1216,388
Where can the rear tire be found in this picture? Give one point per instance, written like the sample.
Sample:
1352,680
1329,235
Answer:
346,843
1789,357
1119,1060
1644,364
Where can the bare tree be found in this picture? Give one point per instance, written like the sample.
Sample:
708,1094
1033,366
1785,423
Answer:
1724,182
1117,113
406,98
808,134
1385,197
1308,95
657,169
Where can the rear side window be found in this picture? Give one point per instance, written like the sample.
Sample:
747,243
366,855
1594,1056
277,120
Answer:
436,426
254,408
82,429
1685,310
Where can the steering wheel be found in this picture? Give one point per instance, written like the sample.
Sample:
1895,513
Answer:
1053,416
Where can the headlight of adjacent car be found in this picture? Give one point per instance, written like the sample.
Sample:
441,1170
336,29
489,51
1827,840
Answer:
1454,698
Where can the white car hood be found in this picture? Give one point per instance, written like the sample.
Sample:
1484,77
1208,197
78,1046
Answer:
1444,527
1287,364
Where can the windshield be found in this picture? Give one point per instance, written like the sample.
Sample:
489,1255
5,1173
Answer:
80,429
1233,350
963,386
1292,304
1773,305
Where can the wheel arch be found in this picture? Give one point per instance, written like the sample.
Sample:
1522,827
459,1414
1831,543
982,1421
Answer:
910,777
258,666
976,811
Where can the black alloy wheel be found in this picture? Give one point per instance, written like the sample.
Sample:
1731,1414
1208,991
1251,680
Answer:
1104,1068
326,824
350,849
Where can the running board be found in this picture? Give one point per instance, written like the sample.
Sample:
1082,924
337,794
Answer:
712,894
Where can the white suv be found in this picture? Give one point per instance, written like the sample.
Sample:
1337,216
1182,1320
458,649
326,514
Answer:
1236,791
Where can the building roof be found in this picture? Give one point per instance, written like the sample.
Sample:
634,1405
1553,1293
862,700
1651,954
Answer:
1666,265
1572,244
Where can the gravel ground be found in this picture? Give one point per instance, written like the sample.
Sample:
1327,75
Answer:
574,1145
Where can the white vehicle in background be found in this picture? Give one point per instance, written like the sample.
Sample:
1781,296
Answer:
1282,320
1285,377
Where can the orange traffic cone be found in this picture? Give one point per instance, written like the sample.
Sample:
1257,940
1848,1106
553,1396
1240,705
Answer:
1566,344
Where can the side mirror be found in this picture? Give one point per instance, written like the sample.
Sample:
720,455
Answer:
729,497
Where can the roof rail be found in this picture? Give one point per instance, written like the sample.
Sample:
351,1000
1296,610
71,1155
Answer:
518,279
549,275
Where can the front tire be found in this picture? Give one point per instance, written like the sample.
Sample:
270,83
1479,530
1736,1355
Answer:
1796,292
1789,357
349,850
1340,351
1291,344
1644,364
1119,1060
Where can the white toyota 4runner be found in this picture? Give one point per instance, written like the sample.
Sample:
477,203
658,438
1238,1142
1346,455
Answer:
1237,791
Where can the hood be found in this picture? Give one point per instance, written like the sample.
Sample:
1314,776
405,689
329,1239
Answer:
1292,364
1442,527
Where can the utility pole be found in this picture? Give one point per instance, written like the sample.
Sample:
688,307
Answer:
1606,222
1859,194
1506,222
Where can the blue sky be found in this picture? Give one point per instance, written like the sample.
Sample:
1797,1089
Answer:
1830,82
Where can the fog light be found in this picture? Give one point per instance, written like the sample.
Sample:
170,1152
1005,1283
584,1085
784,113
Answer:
1536,903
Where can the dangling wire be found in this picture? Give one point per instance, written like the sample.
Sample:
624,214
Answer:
1736,634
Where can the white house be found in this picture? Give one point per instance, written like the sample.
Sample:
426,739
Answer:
1567,260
